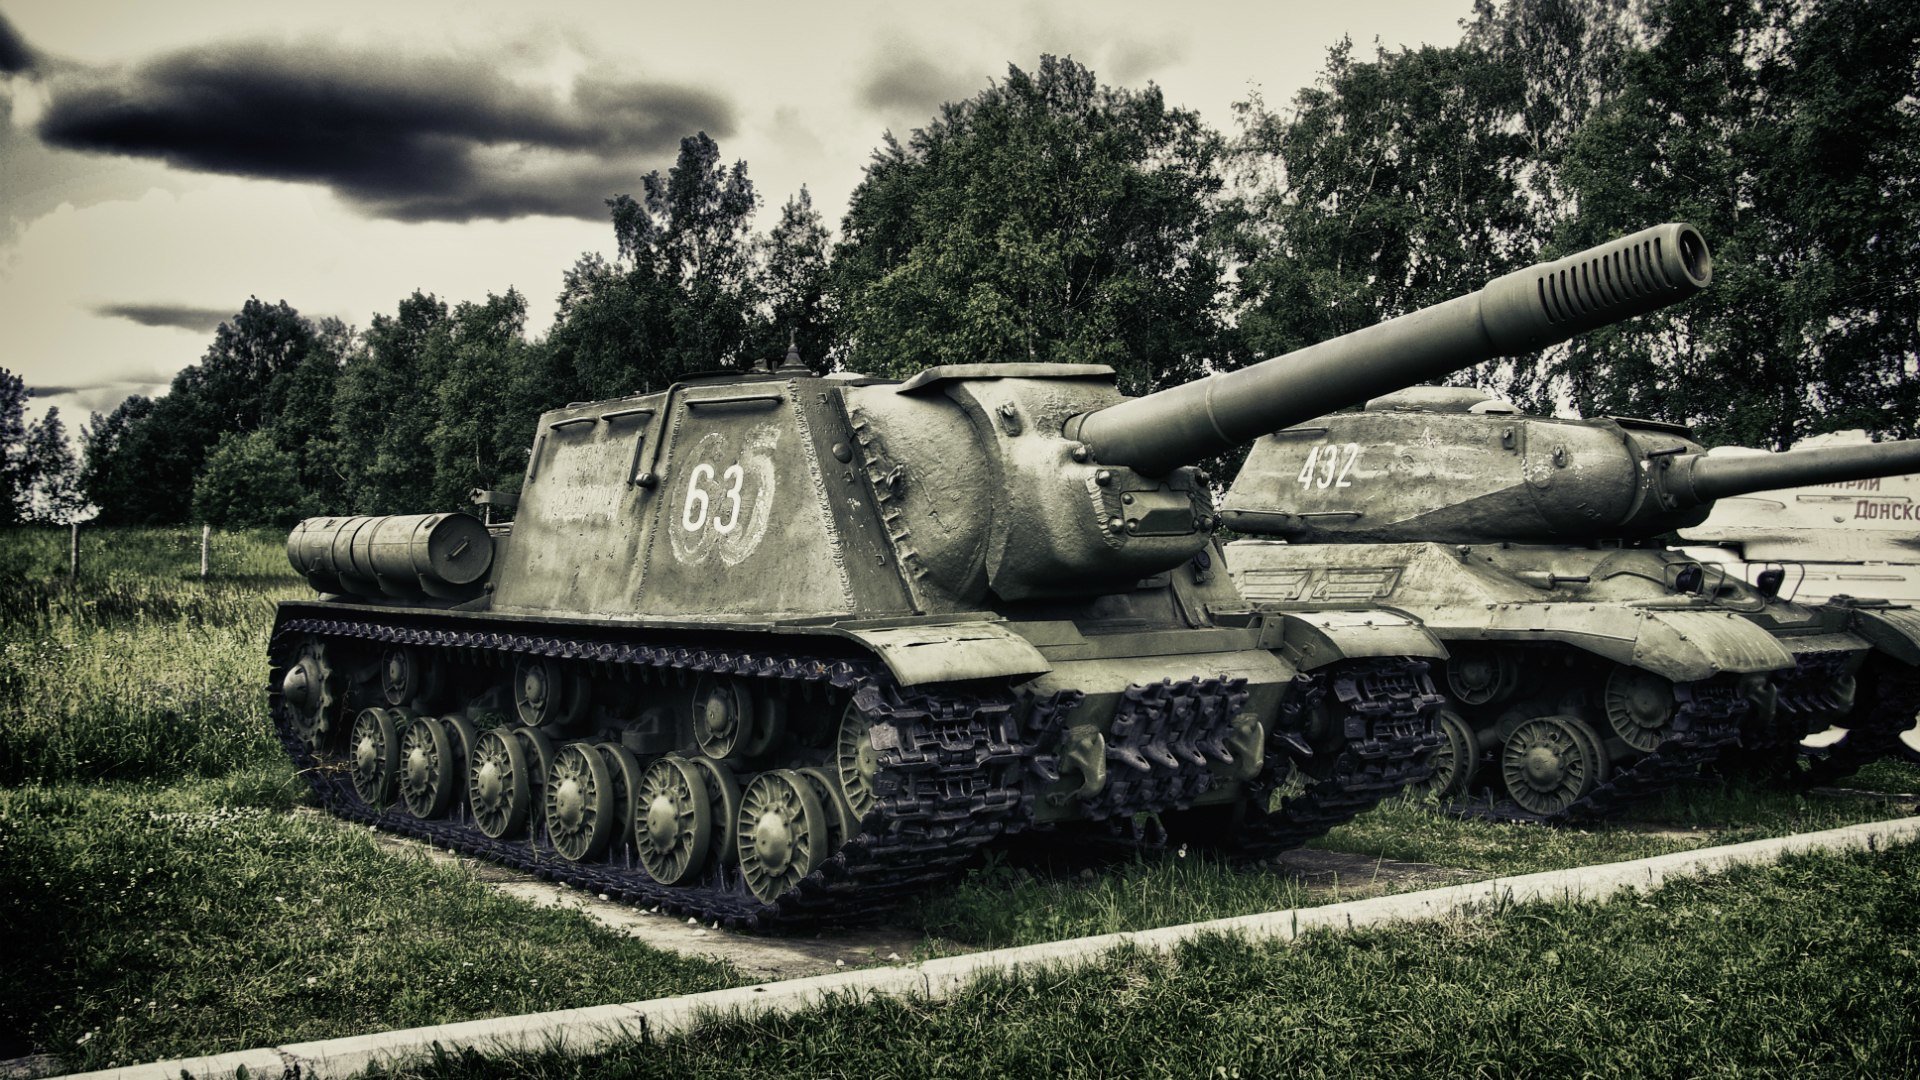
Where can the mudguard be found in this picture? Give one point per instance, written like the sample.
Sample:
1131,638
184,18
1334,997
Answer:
1684,646
1892,630
952,652
1312,639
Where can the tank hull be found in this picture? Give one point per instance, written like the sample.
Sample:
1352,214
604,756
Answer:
1589,638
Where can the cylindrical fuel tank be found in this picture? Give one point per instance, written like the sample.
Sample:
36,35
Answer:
405,556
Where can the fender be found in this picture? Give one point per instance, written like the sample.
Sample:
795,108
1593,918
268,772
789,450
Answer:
952,652
1313,639
1890,629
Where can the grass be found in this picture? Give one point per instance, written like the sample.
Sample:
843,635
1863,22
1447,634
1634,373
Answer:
1020,902
1809,968
140,668
149,921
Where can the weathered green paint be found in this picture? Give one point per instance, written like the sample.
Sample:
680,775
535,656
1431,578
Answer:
1005,525
1418,467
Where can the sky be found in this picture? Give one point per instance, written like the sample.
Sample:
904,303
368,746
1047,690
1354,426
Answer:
162,162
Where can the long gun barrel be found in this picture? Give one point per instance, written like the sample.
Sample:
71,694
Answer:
1697,479
1515,314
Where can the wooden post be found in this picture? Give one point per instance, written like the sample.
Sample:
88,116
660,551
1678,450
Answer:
73,551
206,534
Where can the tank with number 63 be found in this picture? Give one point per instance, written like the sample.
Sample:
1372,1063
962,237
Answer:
1591,663
769,647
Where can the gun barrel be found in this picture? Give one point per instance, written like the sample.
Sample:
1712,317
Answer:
1707,477
1515,314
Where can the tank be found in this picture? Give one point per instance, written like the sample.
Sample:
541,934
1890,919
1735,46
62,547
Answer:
770,648
1850,538
1591,664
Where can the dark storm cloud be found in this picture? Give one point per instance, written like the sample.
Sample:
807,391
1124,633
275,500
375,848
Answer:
448,139
909,80
15,54
199,319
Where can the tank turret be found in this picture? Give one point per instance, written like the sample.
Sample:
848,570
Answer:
766,646
1414,467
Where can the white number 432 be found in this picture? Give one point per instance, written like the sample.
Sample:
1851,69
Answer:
1329,466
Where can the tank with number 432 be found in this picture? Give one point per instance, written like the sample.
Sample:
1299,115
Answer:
1591,664
767,647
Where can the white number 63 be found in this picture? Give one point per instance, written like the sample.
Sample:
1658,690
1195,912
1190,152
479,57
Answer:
693,516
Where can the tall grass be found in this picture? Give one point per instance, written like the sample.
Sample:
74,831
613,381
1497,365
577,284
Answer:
139,667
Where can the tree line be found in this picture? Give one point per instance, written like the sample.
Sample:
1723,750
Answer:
1054,218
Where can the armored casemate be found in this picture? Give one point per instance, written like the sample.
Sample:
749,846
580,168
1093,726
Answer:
769,646
1590,662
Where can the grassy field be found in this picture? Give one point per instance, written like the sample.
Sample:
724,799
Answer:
165,901
1808,968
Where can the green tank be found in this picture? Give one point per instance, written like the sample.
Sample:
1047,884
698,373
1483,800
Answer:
767,647
1590,663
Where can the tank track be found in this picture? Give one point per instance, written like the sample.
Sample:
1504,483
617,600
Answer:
1390,737
1889,696
1386,708
1769,747
1707,721
948,781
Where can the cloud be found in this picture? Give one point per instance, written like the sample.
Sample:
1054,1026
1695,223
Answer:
412,138
15,54
909,80
198,319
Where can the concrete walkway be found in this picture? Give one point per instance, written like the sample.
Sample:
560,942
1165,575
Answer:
584,1030
1337,875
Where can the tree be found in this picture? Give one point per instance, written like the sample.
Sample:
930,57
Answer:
48,473
793,286
248,480
481,432
681,293
1048,218
143,460
110,476
385,408
1786,132
1392,184
13,437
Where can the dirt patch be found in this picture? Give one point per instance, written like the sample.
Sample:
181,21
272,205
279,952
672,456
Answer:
1355,876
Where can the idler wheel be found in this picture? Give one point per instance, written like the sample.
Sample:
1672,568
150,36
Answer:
723,804
855,764
782,833
310,690
548,694
373,749
405,675
580,806
499,788
673,821
1549,764
1457,759
1640,708
841,824
427,778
